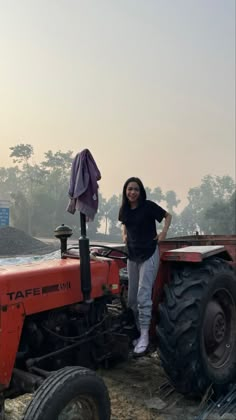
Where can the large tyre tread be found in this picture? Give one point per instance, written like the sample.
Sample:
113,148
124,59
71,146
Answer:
55,383
45,388
179,320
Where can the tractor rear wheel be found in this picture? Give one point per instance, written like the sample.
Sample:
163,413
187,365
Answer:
197,327
70,393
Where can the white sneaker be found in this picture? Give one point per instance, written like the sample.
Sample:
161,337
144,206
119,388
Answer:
142,343
135,341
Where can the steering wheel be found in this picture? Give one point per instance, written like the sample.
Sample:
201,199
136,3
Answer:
106,251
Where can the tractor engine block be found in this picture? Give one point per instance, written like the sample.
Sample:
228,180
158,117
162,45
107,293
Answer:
80,334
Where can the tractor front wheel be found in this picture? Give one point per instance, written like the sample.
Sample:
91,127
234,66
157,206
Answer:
197,328
69,394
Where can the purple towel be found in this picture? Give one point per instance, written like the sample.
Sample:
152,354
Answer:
83,189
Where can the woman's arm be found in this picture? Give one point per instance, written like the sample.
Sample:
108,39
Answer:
164,231
124,233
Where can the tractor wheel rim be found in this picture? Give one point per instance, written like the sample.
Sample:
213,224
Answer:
80,408
218,328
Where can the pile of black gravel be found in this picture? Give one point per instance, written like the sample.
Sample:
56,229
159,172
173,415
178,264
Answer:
16,242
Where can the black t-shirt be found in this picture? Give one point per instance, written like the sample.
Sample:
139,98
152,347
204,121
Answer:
141,229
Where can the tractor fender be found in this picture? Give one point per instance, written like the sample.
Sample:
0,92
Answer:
11,324
196,254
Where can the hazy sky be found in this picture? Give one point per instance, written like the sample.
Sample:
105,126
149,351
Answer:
147,85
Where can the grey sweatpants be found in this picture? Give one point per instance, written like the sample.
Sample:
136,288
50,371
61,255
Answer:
141,279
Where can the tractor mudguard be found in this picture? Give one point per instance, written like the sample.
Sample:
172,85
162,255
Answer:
196,254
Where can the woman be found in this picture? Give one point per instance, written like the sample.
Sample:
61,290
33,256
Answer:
138,217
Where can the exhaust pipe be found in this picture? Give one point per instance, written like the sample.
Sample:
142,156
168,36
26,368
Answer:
85,272
64,232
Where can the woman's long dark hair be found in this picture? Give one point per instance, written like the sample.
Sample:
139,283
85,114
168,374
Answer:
125,202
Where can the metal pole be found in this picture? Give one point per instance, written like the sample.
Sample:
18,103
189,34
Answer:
85,274
83,225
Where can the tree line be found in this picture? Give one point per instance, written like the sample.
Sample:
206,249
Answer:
39,196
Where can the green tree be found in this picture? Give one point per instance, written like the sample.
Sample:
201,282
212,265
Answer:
155,194
110,212
212,189
10,180
93,227
171,201
19,210
43,189
222,216
21,153
60,161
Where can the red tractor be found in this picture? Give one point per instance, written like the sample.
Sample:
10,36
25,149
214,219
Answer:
72,312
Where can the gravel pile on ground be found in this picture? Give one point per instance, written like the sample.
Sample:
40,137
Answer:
15,242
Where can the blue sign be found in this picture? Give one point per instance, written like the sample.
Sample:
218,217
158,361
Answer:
4,216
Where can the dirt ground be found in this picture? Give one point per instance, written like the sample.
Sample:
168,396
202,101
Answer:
138,388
